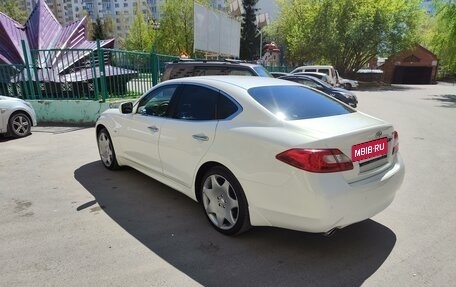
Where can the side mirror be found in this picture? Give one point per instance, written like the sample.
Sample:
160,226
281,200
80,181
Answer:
126,108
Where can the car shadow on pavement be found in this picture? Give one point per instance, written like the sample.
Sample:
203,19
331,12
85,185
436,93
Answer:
4,138
174,227
447,101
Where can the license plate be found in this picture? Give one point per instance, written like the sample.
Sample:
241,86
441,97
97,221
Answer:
369,149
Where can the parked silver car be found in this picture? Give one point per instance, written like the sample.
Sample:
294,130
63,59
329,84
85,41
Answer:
16,117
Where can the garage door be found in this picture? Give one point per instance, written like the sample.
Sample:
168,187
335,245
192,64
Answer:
412,75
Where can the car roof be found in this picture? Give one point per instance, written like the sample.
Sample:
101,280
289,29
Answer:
237,87
301,76
310,73
243,82
309,78
317,66
212,63
280,73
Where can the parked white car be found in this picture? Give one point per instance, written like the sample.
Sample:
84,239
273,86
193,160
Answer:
321,76
330,72
257,151
348,84
16,117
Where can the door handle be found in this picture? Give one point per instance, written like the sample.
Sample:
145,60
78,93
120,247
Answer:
153,129
201,137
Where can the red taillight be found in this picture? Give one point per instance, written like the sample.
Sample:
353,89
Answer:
395,142
316,160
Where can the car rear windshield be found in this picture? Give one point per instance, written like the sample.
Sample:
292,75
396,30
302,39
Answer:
297,102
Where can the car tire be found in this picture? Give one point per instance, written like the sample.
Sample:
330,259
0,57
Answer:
19,125
106,150
348,86
224,202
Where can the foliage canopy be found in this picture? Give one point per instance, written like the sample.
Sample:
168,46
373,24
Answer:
345,33
176,27
172,35
444,38
98,30
12,9
139,36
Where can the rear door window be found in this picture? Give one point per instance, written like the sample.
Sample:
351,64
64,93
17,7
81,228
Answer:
225,107
297,102
200,103
196,103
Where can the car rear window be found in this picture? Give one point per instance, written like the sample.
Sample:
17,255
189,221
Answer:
325,71
297,102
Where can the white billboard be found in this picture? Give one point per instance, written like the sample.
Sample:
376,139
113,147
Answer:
215,32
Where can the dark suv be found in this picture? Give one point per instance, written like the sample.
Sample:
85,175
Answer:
181,69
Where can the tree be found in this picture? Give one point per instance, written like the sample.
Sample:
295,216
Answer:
444,39
427,30
175,34
98,30
139,35
102,29
108,26
346,33
12,9
249,39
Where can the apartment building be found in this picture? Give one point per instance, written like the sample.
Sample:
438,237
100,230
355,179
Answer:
122,12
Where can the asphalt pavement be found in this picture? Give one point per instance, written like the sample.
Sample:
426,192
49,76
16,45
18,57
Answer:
65,220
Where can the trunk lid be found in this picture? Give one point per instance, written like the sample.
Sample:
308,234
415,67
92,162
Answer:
345,131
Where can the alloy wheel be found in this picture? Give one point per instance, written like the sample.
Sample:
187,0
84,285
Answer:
104,147
20,125
220,202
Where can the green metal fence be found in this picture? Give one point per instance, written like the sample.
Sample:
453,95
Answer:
82,74
63,74
13,82
86,74
128,73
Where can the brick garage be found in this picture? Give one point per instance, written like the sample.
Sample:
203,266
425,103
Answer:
414,66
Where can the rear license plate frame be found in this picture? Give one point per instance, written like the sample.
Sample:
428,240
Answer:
369,149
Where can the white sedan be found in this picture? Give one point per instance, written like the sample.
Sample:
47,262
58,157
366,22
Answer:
257,151
16,117
348,84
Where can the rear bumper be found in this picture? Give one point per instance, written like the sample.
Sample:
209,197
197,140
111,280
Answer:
319,205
